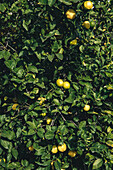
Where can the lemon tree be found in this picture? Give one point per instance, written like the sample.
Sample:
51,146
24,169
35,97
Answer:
56,84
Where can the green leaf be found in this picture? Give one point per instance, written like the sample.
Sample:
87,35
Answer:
43,2
5,54
31,132
97,164
31,124
51,2
82,124
109,143
41,132
6,144
60,56
15,153
8,134
55,46
49,135
11,64
50,57
2,7
14,165
32,69
66,2
108,112
25,25
19,131
57,165
71,98
56,102
110,136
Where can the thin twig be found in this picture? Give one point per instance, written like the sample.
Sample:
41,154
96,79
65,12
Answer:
62,116
74,123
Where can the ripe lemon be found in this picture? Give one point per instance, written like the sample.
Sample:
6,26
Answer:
43,114
59,82
86,24
88,5
66,85
48,121
14,106
72,153
70,14
73,42
62,148
31,148
54,149
87,107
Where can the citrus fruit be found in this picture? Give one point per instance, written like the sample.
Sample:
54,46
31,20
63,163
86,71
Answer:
88,5
87,107
66,85
48,121
43,114
73,42
14,106
31,148
92,23
70,14
62,148
72,153
54,149
86,24
59,82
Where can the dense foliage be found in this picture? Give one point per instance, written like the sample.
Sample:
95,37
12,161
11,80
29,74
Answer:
44,125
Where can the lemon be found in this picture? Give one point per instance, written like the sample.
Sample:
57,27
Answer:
48,121
31,148
86,24
62,148
14,107
86,107
92,23
54,149
70,14
59,82
88,5
72,153
66,85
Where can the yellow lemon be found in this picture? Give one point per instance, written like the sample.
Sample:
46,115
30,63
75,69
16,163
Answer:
86,24
70,14
14,106
87,107
31,148
43,114
54,149
66,85
59,82
62,148
48,121
72,153
88,5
